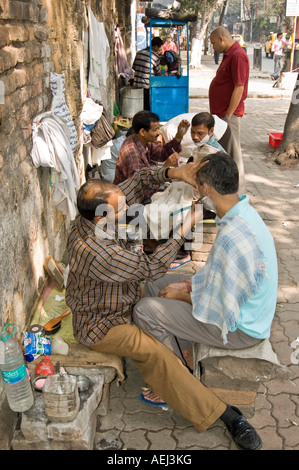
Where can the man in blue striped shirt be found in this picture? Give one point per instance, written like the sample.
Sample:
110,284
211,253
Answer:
230,302
146,64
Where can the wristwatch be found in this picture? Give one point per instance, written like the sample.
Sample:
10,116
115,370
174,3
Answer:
166,172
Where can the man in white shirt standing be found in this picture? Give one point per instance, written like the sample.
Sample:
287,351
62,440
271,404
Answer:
277,48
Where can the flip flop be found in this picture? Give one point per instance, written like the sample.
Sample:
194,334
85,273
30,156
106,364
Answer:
180,264
149,402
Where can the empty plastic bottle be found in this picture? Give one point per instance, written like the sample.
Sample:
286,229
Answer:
14,374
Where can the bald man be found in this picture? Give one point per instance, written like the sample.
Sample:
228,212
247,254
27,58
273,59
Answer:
228,90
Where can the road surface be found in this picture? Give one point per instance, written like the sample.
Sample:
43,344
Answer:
267,63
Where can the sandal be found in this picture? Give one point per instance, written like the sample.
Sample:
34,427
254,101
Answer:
150,399
180,263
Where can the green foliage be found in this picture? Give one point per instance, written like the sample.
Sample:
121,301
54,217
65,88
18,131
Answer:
194,6
190,6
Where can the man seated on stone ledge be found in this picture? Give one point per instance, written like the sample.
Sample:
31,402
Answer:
231,301
103,287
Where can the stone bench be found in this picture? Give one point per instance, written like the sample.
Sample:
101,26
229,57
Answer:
235,375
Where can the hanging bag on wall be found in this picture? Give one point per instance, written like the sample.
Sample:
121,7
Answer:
102,131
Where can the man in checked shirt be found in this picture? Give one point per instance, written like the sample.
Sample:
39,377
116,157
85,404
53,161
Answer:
143,148
103,288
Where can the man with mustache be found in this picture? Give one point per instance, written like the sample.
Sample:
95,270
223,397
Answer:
143,148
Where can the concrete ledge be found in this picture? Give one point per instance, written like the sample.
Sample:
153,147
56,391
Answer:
235,376
82,357
8,423
38,432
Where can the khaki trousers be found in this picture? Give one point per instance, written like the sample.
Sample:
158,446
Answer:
164,372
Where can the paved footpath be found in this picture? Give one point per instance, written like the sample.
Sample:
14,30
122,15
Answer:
274,192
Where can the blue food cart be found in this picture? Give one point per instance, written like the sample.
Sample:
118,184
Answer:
169,95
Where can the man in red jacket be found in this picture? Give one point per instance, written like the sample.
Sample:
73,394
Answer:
228,89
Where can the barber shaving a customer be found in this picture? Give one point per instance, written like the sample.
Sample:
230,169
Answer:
230,302
103,287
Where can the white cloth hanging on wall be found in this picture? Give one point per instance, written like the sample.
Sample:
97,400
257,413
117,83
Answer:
59,106
95,156
91,112
51,148
99,53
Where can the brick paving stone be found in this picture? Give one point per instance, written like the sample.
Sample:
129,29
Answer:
134,440
291,328
211,439
161,440
262,418
113,418
277,387
270,439
284,409
290,438
148,420
108,440
261,402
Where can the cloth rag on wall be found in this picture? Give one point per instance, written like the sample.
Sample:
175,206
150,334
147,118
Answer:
51,148
122,67
99,53
59,106
91,113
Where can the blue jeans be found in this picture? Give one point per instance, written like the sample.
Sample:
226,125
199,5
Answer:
277,66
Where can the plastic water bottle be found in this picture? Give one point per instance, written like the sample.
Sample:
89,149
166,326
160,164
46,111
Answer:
14,374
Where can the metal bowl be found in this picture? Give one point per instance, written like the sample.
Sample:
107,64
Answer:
39,382
83,383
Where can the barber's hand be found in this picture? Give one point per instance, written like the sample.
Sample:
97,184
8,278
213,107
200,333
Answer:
182,129
172,160
187,172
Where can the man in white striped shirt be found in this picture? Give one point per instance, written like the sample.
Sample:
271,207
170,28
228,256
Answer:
143,68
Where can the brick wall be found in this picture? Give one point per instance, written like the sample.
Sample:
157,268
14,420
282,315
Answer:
37,37
25,203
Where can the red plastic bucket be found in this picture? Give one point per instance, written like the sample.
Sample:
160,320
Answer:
275,138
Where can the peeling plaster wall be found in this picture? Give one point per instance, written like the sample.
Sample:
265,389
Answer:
37,37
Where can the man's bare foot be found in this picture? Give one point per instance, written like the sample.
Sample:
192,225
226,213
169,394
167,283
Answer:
180,262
